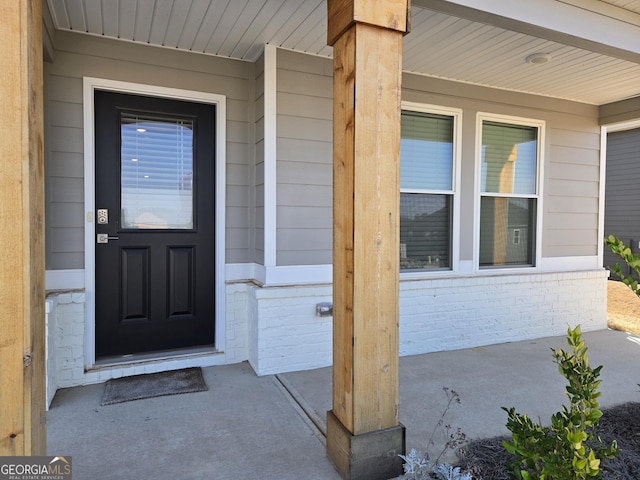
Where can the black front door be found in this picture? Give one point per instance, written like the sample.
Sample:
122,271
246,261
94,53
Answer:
155,228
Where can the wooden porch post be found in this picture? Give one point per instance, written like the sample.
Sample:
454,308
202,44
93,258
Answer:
22,336
364,436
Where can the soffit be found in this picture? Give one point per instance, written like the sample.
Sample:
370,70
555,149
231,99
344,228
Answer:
632,5
439,45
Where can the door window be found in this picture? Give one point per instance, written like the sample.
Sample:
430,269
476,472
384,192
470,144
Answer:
157,172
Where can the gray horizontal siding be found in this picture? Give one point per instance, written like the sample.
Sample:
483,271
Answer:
257,227
622,198
304,173
65,164
572,190
304,159
622,111
304,148
571,153
315,151
77,56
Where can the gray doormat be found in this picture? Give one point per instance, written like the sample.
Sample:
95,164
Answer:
150,385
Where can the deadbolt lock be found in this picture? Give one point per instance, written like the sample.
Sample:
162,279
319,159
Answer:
103,216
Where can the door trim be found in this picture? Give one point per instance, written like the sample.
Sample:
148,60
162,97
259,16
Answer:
90,84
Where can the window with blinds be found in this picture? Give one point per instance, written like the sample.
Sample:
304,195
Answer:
508,194
426,190
156,171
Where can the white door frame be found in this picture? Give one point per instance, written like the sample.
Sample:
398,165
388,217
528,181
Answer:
90,84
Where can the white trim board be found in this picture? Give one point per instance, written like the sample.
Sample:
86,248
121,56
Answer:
570,22
90,84
64,279
602,191
621,126
270,154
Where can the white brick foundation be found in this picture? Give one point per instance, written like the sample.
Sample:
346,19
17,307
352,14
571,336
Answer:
435,314
285,333
65,325
456,313
276,328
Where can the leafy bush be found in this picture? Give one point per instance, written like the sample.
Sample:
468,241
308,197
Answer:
418,465
631,259
569,449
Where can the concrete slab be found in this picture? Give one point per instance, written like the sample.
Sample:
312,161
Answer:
520,374
244,427
250,427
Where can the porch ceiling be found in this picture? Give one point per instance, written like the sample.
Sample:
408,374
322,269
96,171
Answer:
463,46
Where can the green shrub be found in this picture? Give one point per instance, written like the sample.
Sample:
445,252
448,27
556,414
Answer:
569,449
631,259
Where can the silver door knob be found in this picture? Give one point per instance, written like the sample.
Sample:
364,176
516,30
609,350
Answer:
104,238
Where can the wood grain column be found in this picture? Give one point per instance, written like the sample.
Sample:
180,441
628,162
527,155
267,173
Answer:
364,436
22,336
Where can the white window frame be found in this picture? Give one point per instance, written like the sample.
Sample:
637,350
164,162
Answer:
482,117
456,113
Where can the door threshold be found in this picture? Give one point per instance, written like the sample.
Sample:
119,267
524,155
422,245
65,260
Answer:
157,356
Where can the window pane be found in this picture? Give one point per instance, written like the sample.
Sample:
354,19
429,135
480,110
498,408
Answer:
426,151
507,230
425,226
157,169
509,158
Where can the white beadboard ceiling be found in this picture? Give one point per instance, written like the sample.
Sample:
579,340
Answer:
439,45
633,5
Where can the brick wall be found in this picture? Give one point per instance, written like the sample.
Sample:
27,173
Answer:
436,314
67,337
286,333
449,314
276,328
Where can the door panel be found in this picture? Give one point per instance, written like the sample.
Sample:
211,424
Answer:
134,289
181,280
155,199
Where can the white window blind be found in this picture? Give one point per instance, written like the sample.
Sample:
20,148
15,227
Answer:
156,171
426,151
426,190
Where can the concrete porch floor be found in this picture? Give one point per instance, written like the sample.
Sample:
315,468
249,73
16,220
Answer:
271,427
